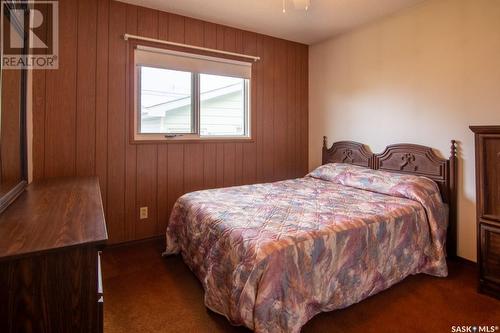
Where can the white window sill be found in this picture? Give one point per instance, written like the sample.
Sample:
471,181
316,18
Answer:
160,138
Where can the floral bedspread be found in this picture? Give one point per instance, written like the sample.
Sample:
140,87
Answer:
271,256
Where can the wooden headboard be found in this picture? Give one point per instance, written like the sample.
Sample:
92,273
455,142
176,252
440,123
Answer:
410,159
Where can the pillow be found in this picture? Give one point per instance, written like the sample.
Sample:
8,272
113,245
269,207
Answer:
413,187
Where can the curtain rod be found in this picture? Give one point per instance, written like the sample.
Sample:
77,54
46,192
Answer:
129,36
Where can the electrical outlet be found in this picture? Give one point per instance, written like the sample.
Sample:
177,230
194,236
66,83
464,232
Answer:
143,213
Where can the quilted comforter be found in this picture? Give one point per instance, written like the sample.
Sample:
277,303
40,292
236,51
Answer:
271,256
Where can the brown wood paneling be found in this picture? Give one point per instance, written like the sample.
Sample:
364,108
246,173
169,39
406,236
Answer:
193,33
10,148
38,109
298,118
219,168
147,155
280,115
101,102
229,178
193,167
175,174
60,102
162,189
238,163
131,183
38,112
268,62
176,28
303,118
210,34
163,25
210,165
229,39
291,106
116,122
146,190
86,94
72,136
258,84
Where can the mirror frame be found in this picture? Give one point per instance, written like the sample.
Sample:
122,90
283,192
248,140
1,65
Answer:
15,191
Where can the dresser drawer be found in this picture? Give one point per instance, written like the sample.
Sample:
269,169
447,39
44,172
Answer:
490,252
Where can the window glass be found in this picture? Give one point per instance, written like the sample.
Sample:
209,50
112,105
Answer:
222,105
165,101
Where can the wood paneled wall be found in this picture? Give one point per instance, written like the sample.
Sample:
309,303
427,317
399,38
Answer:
80,115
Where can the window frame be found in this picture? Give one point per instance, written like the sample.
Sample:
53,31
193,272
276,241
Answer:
134,98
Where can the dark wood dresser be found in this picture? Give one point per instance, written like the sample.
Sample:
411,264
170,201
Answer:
487,140
50,239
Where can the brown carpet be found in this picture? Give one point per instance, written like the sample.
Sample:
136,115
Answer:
144,292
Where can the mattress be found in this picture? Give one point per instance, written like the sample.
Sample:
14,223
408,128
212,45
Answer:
271,256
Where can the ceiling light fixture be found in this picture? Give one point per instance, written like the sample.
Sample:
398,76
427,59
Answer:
297,4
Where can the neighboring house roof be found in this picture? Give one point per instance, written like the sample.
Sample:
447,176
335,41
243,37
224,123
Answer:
159,110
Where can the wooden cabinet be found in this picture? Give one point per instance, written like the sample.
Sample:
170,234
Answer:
50,239
487,144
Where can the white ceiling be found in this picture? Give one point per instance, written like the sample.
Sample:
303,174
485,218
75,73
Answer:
324,19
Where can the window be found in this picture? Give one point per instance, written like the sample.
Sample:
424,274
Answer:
187,96
166,101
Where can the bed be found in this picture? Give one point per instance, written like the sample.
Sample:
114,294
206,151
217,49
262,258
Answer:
271,256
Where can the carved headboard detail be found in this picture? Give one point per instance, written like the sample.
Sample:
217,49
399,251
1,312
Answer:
416,160
405,158
347,152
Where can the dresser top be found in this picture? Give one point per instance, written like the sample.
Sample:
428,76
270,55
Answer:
53,214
